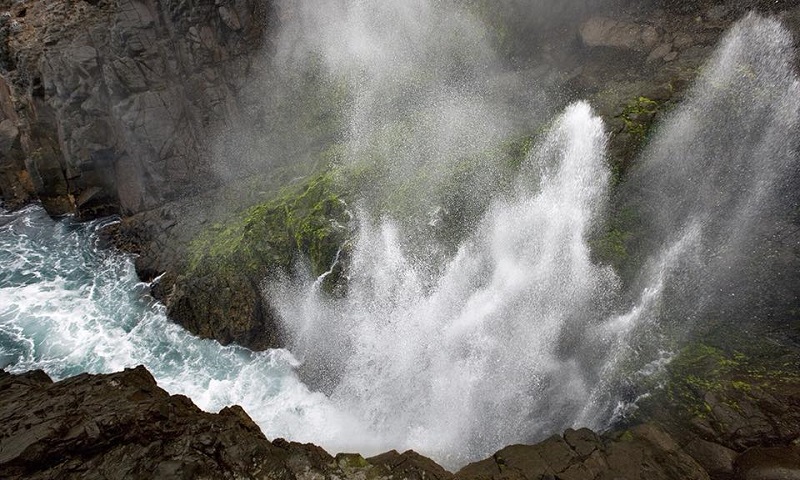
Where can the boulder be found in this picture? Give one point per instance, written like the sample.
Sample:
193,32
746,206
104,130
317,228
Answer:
716,459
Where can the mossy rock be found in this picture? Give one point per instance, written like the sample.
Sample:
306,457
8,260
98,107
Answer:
305,219
730,396
218,293
308,222
634,124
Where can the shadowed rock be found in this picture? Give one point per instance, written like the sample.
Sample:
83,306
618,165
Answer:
122,425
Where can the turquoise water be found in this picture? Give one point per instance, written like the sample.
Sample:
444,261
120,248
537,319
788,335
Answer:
67,306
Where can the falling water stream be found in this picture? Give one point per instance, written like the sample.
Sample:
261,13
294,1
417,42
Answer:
517,334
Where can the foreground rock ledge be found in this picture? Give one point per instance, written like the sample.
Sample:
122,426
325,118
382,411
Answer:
122,425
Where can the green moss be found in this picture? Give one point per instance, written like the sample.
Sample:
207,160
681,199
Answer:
308,218
614,242
516,150
638,117
700,369
635,123
351,461
739,385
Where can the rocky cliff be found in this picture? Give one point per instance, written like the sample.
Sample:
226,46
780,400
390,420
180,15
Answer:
111,106
122,425
106,105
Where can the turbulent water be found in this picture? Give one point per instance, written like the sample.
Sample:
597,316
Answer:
67,306
520,333
516,334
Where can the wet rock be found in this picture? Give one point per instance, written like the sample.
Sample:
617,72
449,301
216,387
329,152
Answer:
764,463
645,451
408,465
114,426
227,308
719,403
649,452
717,13
682,41
123,426
584,441
716,459
16,187
659,52
613,33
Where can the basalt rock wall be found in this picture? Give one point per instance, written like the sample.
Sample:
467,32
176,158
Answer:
105,106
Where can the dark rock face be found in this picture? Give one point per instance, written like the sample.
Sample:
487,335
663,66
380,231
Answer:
119,426
15,181
109,106
229,309
122,425
645,451
110,102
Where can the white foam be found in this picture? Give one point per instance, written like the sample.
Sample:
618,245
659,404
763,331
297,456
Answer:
86,311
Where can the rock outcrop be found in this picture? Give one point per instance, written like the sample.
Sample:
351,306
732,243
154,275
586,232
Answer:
122,425
645,451
106,105
737,412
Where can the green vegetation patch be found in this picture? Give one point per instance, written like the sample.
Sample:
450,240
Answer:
308,219
638,117
729,376
610,248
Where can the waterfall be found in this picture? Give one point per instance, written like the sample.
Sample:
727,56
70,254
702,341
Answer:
465,363
519,333
505,330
